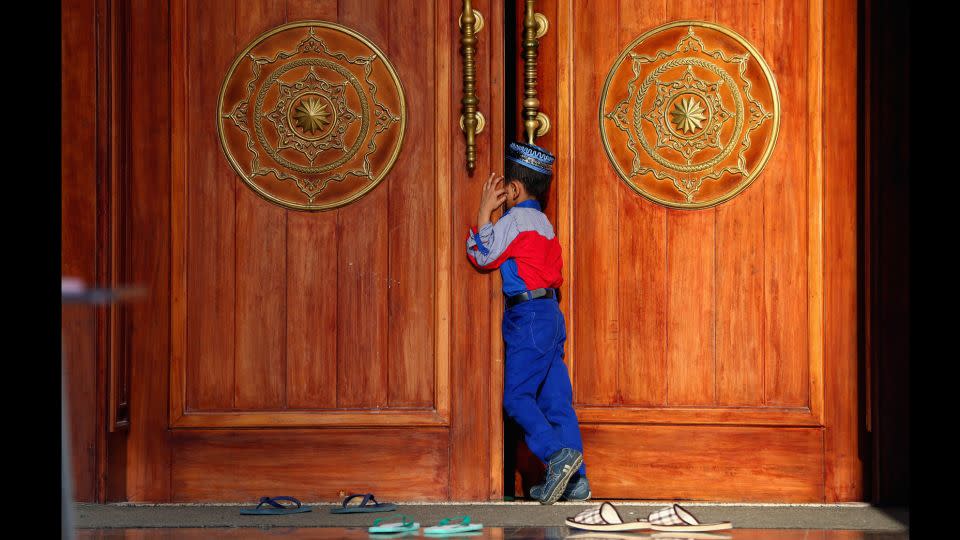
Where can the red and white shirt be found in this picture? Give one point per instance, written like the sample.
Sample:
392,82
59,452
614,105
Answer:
523,245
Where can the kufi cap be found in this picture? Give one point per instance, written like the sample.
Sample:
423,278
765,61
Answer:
531,156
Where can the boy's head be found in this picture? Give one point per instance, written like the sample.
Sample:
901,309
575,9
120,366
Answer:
527,171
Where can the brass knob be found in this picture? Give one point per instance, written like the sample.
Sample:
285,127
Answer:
477,25
542,24
481,123
543,124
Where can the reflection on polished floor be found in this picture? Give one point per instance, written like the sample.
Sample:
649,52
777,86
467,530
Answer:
504,533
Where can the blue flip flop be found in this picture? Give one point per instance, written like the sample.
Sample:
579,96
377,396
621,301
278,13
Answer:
277,508
364,505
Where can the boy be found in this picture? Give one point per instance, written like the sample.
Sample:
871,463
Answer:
536,387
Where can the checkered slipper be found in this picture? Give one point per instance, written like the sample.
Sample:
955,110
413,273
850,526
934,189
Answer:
688,536
677,518
605,518
595,535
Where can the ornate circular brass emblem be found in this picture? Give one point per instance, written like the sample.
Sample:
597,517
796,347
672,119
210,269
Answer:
689,114
311,115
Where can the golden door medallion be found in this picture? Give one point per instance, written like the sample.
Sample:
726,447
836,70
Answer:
689,114
311,115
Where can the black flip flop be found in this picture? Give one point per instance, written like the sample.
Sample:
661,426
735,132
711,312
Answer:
278,508
364,505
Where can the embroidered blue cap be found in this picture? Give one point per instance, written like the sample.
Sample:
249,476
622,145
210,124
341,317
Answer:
531,156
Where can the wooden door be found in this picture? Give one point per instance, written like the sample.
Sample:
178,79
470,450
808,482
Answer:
712,350
306,352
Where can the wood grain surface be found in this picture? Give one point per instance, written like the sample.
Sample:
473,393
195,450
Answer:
78,239
844,466
704,463
260,360
211,217
411,242
595,220
315,465
148,450
740,266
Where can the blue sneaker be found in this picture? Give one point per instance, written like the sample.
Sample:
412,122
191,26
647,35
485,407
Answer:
563,464
577,490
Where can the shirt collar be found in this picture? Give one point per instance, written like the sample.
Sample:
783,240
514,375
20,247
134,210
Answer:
529,203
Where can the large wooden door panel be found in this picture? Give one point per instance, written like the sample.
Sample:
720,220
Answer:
292,318
314,464
698,336
704,462
710,307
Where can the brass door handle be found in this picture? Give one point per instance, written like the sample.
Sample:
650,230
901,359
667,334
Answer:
471,121
535,25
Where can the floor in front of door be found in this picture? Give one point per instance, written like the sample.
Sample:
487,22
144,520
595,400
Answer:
505,533
514,520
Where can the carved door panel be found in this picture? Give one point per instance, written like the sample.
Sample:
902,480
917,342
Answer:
690,199
288,315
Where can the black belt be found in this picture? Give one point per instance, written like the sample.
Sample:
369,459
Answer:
532,295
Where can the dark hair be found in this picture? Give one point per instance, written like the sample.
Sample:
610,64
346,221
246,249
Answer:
536,183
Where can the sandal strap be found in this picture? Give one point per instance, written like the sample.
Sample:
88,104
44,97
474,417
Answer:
672,515
272,501
405,521
464,520
367,497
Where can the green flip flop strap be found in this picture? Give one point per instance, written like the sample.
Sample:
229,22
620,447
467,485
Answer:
405,521
464,520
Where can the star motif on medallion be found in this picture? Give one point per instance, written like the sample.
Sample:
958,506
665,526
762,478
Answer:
312,115
683,104
688,115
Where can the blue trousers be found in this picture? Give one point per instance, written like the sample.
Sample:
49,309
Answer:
536,387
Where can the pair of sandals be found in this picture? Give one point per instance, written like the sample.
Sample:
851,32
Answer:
454,525
673,518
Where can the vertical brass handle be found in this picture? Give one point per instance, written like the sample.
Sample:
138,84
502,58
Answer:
535,25
471,121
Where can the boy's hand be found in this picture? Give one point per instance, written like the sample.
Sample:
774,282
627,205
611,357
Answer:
492,196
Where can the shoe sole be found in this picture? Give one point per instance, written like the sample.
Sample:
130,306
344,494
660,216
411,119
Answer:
577,499
571,499
562,484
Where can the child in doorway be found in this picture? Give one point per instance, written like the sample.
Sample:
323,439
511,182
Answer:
537,392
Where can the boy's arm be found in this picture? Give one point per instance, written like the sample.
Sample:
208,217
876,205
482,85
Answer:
489,245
